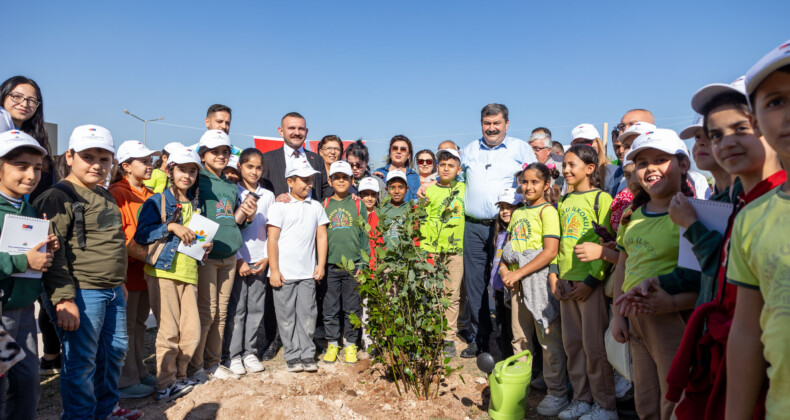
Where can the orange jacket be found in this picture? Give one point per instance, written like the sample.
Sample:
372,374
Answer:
129,201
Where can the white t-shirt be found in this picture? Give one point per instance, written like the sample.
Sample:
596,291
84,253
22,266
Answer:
700,183
254,235
298,222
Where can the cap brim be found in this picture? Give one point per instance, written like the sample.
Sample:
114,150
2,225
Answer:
85,146
703,96
302,173
690,132
755,79
341,172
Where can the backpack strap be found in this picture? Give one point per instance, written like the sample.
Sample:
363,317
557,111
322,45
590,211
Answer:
357,203
326,202
79,212
595,206
162,208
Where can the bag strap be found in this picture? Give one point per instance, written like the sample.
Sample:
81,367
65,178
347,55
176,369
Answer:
357,203
79,212
326,202
162,207
595,206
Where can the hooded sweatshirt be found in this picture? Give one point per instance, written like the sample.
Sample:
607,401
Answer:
129,202
17,292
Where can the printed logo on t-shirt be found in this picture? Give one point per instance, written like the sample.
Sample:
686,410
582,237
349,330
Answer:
340,219
224,208
575,223
522,231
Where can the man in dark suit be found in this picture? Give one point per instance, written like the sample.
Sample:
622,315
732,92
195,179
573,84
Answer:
293,130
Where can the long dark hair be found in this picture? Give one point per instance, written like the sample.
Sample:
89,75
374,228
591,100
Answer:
589,156
248,154
194,189
642,197
546,175
410,158
34,126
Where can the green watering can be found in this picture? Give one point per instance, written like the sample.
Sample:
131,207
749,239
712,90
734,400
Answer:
509,384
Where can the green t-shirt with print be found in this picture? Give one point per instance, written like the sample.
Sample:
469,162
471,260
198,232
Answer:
437,233
183,268
577,212
760,259
344,236
530,225
651,241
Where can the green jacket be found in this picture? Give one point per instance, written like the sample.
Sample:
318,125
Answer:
17,292
218,200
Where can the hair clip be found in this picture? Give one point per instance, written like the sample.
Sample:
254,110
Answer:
524,166
551,166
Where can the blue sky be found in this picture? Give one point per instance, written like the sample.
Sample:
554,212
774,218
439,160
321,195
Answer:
373,70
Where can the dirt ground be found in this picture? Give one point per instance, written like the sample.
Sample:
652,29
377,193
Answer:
335,391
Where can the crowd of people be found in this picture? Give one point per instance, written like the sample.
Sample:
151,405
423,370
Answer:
573,250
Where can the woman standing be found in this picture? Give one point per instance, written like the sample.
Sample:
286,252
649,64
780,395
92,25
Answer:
357,156
426,166
331,149
401,157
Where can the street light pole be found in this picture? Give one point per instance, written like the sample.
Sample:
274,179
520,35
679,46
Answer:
145,123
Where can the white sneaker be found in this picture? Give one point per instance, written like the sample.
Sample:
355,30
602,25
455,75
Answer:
200,377
551,405
598,413
252,364
621,385
575,410
221,372
237,366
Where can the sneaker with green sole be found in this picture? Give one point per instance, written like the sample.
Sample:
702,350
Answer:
331,354
351,353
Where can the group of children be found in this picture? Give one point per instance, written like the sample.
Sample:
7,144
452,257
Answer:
113,255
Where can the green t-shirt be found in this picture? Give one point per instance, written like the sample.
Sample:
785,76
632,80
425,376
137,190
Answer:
760,259
158,181
345,238
530,225
651,242
577,212
395,216
436,233
183,268
219,199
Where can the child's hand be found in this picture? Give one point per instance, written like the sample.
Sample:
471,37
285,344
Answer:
557,287
258,267
68,315
53,243
318,274
620,328
244,268
509,278
588,251
208,247
580,291
37,260
652,298
276,279
182,232
681,212
283,198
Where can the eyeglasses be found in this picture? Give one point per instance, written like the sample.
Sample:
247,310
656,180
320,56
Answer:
330,149
538,149
19,98
425,161
358,165
401,149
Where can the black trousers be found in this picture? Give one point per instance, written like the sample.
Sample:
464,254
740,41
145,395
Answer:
342,294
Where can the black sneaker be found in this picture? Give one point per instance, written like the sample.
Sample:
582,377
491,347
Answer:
470,352
295,366
49,367
449,349
309,365
177,389
272,350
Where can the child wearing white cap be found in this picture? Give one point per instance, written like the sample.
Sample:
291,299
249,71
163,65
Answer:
297,247
158,180
21,159
87,281
758,258
136,166
346,243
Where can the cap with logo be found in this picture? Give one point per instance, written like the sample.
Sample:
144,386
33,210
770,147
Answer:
510,196
585,131
708,93
661,139
299,167
13,139
774,60
636,130
172,147
341,167
368,184
691,131
131,149
183,156
396,173
214,138
91,136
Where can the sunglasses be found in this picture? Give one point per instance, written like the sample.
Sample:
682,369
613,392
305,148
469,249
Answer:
358,165
399,149
425,161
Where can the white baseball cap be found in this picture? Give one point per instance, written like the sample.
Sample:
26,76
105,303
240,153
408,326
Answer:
299,167
89,136
706,94
368,184
342,167
452,152
6,123
774,60
585,131
214,138
662,139
131,149
173,146
12,139
396,173
233,161
690,132
510,196
636,130
183,156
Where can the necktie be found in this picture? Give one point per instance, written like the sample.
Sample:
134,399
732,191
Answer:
295,154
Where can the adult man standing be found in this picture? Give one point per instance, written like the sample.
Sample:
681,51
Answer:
490,163
218,118
630,118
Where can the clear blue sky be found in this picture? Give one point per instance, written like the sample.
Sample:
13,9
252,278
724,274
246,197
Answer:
373,70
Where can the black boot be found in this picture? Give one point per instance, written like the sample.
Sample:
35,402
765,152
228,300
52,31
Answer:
272,350
470,352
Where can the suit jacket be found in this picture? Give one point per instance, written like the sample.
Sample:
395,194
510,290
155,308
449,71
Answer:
273,177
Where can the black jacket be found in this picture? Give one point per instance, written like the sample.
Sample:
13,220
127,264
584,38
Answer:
273,177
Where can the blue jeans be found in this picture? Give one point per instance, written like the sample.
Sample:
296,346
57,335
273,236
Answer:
478,253
93,354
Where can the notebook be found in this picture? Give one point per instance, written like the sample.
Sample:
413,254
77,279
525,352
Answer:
20,235
714,215
204,229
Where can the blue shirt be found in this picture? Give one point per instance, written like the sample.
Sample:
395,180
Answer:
412,180
491,170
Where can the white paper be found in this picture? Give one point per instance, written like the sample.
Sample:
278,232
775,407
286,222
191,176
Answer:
204,229
714,215
20,235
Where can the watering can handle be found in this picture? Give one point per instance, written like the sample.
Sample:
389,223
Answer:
512,359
